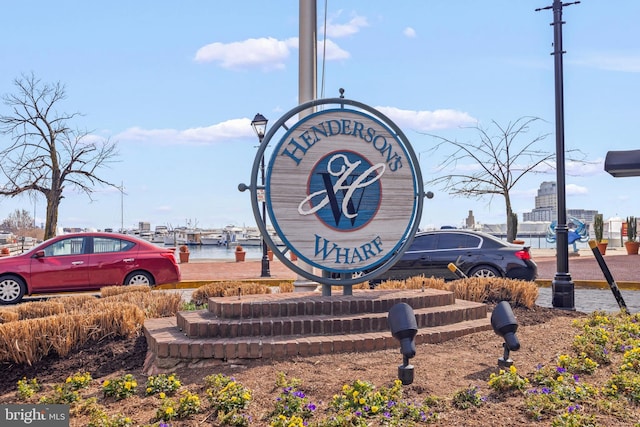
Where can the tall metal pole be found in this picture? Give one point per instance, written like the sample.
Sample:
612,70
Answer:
265,272
563,292
307,78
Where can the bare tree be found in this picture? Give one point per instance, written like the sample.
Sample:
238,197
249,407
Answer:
494,164
45,154
17,220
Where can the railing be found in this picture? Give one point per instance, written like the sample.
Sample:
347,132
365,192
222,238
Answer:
16,248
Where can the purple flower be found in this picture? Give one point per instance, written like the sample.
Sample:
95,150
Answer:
311,407
561,370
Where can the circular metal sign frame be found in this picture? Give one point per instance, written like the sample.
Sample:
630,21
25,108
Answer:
365,261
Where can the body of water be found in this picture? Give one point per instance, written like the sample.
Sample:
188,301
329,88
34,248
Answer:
255,252
221,252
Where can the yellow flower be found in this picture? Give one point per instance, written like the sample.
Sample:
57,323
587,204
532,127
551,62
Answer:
559,379
362,401
374,409
162,395
512,369
106,383
169,410
355,393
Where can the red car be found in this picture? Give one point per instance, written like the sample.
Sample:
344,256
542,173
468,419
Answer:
85,261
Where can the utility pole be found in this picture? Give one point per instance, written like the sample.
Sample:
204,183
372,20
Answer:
563,292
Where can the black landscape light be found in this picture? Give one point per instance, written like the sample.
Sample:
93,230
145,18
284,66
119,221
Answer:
404,328
259,125
504,324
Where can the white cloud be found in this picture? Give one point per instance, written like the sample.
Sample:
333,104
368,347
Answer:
241,128
348,29
575,190
230,129
611,62
426,121
332,51
409,32
266,53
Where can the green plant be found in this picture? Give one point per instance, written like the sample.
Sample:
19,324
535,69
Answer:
78,380
465,399
292,405
102,419
162,383
577,365
505,381
573,418
598,226
120,388
27,388
192,306
187,405
593,343
632,229
226,396
62,394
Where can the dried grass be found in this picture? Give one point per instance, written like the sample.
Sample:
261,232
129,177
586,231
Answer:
70,322
479,289
8,315
118,290
286,287
35,309
226,289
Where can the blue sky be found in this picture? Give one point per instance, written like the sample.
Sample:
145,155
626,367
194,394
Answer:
176,85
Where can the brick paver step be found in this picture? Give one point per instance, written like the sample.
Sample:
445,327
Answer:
314,304
229,330
169,347
204,324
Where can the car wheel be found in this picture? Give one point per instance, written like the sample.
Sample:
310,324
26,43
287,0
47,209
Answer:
139,278
484,271
12,289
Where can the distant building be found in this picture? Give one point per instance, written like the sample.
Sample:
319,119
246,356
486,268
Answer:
470,222
546,204
546,207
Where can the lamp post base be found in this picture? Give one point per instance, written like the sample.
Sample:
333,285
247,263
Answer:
563,294
265,267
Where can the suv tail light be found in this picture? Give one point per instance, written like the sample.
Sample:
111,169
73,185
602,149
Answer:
523,254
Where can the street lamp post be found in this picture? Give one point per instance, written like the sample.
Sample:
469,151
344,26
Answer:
562,284
259,125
